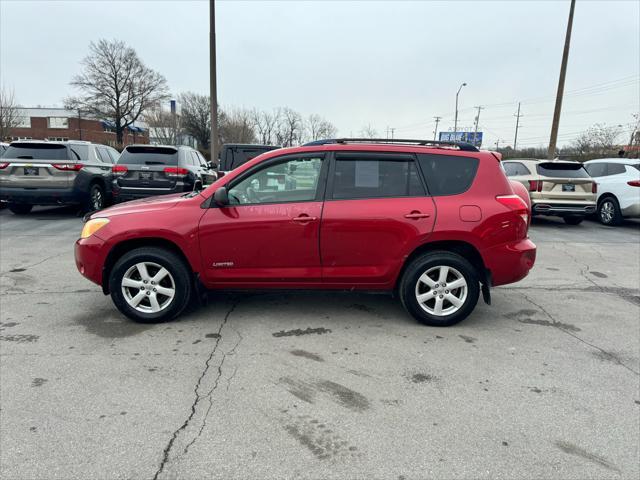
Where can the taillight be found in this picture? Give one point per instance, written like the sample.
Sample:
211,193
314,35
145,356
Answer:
632,183
594,187
119,169
68,167
516,204
4,165
535,185
176,172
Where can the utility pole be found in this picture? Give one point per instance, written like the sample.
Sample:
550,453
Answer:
497,145
213,91
517,115
475,131
387,132
563,72
392,132
437,119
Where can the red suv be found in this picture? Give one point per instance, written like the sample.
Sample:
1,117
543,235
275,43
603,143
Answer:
435,223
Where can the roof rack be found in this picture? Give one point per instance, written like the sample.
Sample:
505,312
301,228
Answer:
465,147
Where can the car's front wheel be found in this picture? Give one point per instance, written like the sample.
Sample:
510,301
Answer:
150,285
20,208
440,288
609,212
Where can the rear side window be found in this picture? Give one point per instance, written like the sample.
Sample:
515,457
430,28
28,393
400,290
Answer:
596,169
37,151
513,169
448,174
616,169
363,176
562,170
149,156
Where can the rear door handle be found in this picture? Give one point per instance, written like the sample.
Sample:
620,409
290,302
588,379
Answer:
304,218
416,215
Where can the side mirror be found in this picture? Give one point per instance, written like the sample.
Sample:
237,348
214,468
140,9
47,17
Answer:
221,196
212,165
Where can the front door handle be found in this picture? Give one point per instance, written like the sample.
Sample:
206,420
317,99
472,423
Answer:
304,218
416,215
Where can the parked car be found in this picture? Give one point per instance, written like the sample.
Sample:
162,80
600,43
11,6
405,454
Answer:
38,172
233,155
149,170
434,222
557,188
618,193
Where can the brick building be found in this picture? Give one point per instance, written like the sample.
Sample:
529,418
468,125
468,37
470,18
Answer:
61,124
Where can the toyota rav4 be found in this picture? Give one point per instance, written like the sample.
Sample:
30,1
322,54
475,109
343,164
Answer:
433,223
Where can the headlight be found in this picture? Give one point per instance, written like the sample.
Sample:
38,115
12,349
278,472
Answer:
92,226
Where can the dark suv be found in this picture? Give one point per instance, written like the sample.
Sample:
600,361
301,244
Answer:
38,172
149,170
233,155
436,223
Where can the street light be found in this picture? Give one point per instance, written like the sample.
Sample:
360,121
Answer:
455,123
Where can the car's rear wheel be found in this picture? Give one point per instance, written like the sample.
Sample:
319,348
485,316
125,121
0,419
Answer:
20,208
96,200
150,285
440,288
609,211
573,219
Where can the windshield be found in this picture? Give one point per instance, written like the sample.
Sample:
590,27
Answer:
36,151
149,156
562,170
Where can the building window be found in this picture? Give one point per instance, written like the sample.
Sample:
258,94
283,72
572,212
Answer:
24,122
58,139
58,122
21,138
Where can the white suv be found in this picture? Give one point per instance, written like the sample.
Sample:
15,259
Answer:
618,188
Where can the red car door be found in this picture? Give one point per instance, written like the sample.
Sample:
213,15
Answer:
268,235
375,212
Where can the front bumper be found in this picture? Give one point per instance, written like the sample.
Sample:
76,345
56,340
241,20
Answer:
510,262
41,196
563,209
89,255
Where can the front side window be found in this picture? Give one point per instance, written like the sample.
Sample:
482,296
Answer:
359,176
292,180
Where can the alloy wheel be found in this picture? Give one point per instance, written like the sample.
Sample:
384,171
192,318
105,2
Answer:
441,290
607,211
148,287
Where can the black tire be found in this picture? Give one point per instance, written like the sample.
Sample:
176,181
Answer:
96,199
573,220
177,268
20,208
422,264
609,211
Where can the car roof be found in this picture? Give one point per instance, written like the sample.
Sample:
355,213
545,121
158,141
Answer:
625,161
55,142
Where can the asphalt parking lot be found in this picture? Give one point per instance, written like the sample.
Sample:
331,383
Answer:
542,384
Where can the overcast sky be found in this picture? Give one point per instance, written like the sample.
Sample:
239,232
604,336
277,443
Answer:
386,63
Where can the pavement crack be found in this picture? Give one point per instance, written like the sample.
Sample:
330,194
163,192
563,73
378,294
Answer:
198,397
558,325
27,267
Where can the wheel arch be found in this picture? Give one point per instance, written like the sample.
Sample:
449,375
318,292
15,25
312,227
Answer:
603,196
460,247
126,246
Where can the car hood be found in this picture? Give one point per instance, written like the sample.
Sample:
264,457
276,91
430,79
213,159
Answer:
150,204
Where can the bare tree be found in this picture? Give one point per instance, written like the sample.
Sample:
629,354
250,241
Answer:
317,128
598,141
164,127
196,117
236,126
368,132
290,128
9,114
116,85
266,124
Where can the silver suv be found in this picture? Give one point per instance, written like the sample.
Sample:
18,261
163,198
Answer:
38,172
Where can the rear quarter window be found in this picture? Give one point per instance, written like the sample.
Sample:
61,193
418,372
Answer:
149,156
448,174
562,170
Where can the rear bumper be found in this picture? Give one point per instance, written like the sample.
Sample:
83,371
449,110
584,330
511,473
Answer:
510,262
632,210
562,209
124,194
41,196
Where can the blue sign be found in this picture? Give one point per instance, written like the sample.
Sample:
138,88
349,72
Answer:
474,138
